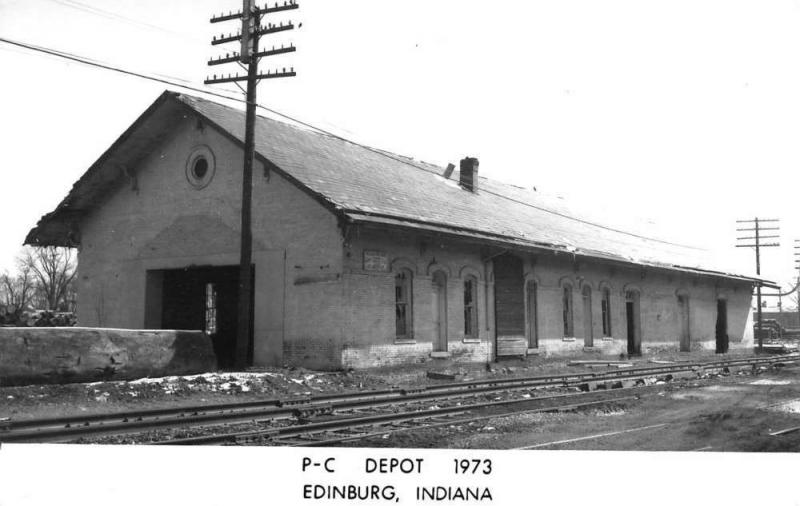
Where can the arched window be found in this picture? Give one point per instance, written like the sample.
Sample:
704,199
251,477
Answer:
471,307
404,322
569,328
606,308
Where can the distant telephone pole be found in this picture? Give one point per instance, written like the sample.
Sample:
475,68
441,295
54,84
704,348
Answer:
249,55
797,292
757,244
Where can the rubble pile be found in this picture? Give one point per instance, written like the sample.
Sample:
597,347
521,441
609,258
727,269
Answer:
10,318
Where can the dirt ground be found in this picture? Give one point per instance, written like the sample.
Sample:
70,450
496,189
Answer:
34,401
734,414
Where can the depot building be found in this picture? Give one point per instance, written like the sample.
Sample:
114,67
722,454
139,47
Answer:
364,258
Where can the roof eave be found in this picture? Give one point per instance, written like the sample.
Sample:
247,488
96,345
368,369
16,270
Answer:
501,240
60,227
38,235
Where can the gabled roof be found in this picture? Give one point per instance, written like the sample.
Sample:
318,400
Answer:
367,185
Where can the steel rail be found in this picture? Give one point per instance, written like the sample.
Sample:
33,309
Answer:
371,394
305,436
351,422
282,435
563,401
449,421
67,428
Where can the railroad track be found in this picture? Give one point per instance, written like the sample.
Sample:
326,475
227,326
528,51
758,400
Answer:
290,414
350,428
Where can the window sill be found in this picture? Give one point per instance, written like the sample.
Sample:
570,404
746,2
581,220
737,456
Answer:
405,341
471,341
568,339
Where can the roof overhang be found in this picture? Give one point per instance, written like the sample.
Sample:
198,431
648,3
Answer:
521,244
118,165
115,166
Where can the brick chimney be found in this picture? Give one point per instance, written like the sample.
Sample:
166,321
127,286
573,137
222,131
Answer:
469,174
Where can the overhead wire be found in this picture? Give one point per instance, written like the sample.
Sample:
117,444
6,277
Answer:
87,61
97,11
106,66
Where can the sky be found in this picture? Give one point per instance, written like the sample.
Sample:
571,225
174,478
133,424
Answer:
673,119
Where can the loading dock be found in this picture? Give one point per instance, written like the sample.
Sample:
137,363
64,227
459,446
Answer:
201,298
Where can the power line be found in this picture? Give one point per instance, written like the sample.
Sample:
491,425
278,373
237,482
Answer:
110,67
97,11
105,66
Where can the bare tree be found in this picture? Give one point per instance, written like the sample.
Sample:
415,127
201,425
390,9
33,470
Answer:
54,270
17,290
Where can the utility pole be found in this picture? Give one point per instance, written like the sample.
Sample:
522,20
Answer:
797,292
757,244
249,55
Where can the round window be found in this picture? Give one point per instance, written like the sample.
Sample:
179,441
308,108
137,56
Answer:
200,167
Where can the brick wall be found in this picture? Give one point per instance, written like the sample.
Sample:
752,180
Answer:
370,320
162,222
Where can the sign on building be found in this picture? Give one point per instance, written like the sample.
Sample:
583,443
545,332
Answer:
376,261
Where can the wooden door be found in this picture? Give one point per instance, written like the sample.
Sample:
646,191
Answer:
683,315
722,326
588,331
634,323
509,306
533,317
440,310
